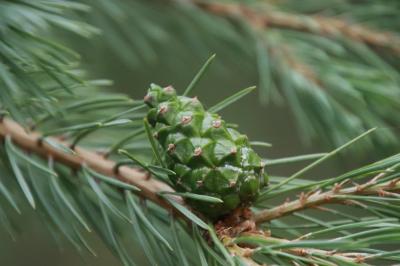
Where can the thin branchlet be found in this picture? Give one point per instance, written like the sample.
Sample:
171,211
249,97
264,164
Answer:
336,195
246,251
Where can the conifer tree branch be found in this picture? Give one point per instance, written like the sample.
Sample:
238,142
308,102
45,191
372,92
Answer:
40,82
336,195
32,142
331,27
247,251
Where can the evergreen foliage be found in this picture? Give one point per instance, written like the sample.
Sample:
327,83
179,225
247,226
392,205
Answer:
66,140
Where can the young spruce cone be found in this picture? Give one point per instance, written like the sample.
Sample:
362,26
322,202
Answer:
208,157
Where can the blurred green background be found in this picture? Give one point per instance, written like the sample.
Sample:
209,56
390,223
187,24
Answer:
233,70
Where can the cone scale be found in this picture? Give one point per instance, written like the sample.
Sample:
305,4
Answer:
208,157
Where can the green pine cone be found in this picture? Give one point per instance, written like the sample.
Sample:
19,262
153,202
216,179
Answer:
208,157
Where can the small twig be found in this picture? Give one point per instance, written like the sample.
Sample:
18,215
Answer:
247,251
335,195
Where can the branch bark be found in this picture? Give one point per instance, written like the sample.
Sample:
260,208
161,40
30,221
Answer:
247,251
331,27
31,142
335,195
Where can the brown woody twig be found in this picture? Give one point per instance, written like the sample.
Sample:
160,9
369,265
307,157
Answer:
32,142
246,252
335,195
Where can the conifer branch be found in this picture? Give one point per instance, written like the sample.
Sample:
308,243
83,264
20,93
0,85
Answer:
332,27
336,195
42,85
32,142
245,247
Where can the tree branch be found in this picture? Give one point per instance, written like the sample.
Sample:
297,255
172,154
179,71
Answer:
335,195
331,27
32,142
247,251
